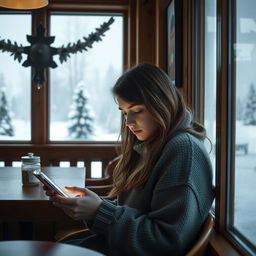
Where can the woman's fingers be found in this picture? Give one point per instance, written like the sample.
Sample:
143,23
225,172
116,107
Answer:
76,190
48,191
65,201
79,208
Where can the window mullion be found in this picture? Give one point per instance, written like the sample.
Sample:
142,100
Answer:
39,104
222,115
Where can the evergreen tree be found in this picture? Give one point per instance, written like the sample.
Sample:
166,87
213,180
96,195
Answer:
250,107
240,107
6,127
80,115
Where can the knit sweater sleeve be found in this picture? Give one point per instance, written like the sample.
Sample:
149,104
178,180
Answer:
174,219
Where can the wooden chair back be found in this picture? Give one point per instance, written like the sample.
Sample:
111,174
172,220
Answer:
103,186
200,246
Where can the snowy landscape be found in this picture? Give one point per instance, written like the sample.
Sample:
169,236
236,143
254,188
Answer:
245,180
81,106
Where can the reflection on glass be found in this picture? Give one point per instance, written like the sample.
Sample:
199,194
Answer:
245,164
81,104
210,77
15,83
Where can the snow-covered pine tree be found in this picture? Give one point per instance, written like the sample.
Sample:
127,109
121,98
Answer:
240,108
250,107
6,127
80,114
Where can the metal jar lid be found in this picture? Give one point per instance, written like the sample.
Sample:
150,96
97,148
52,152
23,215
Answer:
30,158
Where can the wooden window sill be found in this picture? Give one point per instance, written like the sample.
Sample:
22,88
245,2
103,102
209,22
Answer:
220,246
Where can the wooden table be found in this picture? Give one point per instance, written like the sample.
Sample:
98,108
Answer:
40,248
29,204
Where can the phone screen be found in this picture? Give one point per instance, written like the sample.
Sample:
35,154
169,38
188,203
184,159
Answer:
49,183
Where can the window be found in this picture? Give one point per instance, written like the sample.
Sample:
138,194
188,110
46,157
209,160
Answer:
205,74
242,203
15,92
210,76
205,71
81,104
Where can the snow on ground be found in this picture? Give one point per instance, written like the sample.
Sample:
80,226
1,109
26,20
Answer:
21,131
246,134
58,132
245,195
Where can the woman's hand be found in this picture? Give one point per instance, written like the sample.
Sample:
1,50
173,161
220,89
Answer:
83,207
48,191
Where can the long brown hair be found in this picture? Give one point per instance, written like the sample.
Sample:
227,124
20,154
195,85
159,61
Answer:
149,85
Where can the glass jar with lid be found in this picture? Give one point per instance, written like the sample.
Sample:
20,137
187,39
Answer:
30,163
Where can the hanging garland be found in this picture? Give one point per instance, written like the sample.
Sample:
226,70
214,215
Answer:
40,53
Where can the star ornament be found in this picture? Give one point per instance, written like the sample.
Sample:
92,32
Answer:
40,53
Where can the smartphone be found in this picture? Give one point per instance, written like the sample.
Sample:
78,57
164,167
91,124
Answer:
49,183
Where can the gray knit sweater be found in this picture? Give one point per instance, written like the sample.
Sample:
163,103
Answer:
165,215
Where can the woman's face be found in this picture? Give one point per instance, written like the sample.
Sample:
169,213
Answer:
138,119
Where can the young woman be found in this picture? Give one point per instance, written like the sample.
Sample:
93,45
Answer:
163,180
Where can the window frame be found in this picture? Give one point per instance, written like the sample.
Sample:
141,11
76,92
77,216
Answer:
224,238
122,12
236,235
198,65
40,99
